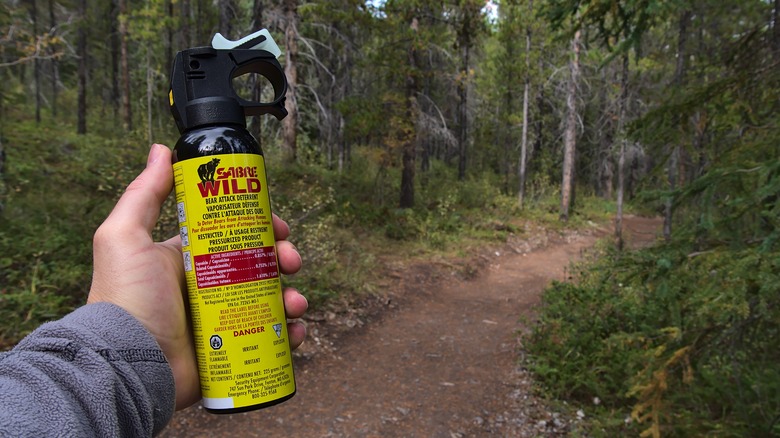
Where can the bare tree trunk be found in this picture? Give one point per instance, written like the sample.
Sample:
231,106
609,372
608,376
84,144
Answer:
776,29
526,89
541,108
570,136
81,49
344,156
124,68
200,18
409,138
290,123
504,136
115,94
36,61
227,15
606,172
672,167
169,43
342,147
149,94
185,25
621,137
463,112
256,122
55,70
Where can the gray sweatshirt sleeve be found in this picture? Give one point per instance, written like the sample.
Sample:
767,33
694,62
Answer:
95,372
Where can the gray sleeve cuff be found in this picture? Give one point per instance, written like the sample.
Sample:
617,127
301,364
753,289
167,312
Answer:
96,371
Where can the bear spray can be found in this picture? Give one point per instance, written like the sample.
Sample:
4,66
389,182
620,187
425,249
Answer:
225,222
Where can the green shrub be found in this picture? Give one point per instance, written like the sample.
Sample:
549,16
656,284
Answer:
59,187
680,341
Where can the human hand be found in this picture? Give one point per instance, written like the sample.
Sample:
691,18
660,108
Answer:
146,278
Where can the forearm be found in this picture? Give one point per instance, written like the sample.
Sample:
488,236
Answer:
95,372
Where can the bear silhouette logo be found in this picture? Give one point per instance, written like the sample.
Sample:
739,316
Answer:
206,170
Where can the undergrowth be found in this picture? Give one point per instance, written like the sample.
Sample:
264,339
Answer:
680,339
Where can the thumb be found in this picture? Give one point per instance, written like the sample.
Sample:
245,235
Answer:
139,207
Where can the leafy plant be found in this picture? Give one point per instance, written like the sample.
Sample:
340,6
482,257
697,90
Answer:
679,341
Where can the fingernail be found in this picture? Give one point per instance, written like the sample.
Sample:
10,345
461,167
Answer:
154,154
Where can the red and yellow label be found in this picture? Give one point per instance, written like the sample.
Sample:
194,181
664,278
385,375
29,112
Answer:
233,280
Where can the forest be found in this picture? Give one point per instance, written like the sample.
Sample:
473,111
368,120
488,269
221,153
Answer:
421,125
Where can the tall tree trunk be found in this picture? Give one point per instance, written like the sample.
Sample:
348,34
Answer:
116,95
463,112
621,137
149,95
526,91
81,50
124,68
570,136
290,123
55,69
256,122
36,60
541,108
227,15
343,145
169,42
503,132
185,25
605,174
409,137
469,16
776,30
200,18
674,156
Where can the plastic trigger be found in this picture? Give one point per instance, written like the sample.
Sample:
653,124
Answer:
260,40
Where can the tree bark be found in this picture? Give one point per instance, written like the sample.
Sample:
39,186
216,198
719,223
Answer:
463,113
776,29
81,50
256,122
124,68
605,174
185,25
570,136
469,16
115,95
149,95
408,138
674,156
36,61
621,137
526,90
227,15
169,42
55,70
344,155
290,123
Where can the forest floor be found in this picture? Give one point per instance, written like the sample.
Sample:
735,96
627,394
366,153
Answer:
435,354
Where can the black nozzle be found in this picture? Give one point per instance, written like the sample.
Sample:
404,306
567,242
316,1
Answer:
202,91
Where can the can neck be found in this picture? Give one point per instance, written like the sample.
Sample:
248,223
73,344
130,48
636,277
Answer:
212,111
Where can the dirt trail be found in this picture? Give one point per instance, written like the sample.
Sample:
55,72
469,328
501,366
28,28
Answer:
439,360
